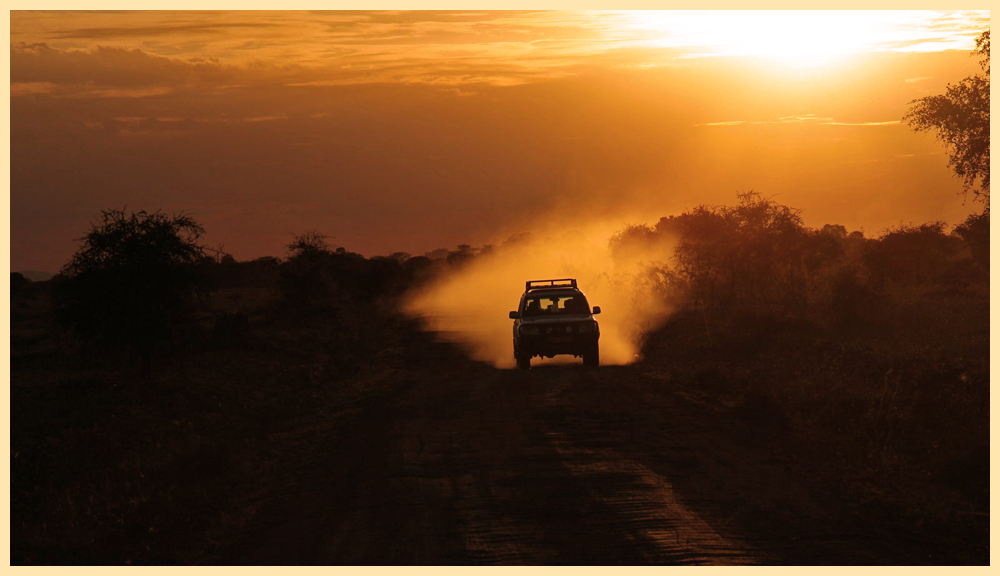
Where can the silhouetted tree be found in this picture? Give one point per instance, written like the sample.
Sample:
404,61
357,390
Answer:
824,246
975,231
851,299
913,254
310,243
461,256
632,241
17,281
438,254
266,261
132,274
314,277
306,276
747,257
519,239
961,118
838,231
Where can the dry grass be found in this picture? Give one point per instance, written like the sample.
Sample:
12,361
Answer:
895,410
108,468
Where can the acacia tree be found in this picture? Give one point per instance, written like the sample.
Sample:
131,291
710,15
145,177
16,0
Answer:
130,277
961,118
746,257
306,277
308,244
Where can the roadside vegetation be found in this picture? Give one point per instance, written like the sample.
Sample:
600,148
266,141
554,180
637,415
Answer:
864,358
128,455
868,358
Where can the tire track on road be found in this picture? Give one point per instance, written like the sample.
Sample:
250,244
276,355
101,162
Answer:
645,505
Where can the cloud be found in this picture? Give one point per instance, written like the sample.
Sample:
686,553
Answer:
31,88
809,119
103,68
886,123
42,70
459,92
917,79
161,29
799,119
266,118
106,72
505,48
727,123
123,92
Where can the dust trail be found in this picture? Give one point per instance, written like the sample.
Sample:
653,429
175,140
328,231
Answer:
469,305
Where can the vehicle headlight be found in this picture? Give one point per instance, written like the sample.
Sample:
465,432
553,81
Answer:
588,327
529,331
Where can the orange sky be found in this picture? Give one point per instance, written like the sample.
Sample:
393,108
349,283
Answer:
410,131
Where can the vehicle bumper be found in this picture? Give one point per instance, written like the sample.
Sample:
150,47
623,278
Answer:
549,346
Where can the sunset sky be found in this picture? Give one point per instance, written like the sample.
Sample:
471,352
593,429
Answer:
410,131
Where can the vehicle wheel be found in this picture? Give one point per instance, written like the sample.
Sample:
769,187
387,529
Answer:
524,362
592,357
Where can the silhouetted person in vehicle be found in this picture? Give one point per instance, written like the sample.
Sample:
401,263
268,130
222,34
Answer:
533,309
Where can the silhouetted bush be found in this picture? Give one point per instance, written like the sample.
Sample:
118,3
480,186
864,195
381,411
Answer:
824,247
315,276
852,300
460,257
17,281
744,259
230,274
758,259
632,242
913,254
305,278
384,277
975,231
126,285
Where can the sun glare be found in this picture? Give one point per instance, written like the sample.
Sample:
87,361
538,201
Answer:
801,39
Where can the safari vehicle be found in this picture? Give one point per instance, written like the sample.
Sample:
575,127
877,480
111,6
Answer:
553,318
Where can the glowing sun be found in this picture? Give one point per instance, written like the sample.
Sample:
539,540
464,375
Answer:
795,38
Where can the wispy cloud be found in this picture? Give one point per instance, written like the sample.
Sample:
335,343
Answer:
177,49
808,119
727,123
31,88
886,123
121,92
266,118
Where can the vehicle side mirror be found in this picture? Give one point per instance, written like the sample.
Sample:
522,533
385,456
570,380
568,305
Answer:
514,315
597,309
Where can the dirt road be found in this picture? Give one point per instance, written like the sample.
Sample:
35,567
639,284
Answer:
461,463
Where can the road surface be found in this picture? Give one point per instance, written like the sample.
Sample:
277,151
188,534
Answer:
462,463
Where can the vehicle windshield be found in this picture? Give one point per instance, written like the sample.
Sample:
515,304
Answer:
552,304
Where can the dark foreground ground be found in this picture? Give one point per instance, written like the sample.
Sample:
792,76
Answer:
466,464
417,455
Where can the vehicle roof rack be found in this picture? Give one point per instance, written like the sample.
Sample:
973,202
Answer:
554,283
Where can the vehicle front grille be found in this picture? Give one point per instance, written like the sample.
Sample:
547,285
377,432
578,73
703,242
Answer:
558,329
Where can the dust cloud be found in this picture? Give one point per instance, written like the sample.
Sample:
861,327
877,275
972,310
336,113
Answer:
469,304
